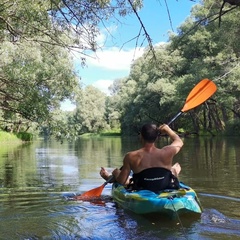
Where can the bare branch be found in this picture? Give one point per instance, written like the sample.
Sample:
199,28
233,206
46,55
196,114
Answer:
151,48
169,17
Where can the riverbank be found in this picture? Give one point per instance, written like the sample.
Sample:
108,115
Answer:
105,133
12,137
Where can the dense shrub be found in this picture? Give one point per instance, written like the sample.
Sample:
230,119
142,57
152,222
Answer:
24,136
233,128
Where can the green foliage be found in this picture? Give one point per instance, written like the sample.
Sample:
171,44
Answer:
233,128
156,90
90,111
56,19
37,71
27,137
62,126
35,82
112,132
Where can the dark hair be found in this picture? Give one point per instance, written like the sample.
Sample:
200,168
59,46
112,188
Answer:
149,132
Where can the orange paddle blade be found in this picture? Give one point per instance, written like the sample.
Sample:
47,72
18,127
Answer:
96,192
199,94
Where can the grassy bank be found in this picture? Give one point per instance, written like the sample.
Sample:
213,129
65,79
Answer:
11,137
8,137
106,133
112,132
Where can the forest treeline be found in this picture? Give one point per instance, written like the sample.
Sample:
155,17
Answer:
37,71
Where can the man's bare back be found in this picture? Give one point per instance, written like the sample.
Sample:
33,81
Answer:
149,156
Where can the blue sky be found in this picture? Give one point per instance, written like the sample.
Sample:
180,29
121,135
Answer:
117,52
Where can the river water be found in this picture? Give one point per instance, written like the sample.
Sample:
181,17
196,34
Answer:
37,182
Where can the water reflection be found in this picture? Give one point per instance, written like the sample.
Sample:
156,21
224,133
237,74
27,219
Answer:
38,179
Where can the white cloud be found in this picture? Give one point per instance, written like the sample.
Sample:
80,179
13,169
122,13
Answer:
107,63
115,58
112,57
103,85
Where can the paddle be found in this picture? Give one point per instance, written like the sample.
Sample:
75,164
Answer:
96,192
199,94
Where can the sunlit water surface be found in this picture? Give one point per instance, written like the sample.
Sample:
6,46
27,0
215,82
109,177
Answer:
38,181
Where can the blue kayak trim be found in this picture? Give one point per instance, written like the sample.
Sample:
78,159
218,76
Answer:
169,201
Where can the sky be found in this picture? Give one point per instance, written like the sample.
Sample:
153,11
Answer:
118,49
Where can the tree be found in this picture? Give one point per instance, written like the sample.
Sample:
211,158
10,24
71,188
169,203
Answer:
36,72
157,87
66,23
33,82
149,93
212,51
90,110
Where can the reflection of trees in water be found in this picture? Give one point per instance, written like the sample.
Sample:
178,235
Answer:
17,166
95,152
213,162
209,165
8,180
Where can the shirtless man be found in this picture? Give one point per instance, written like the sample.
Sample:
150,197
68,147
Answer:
151,166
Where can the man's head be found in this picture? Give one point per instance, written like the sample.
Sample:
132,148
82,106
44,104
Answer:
149,132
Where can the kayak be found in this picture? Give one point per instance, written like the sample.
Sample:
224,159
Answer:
171,202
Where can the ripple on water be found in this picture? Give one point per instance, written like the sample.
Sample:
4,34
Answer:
215,225
46,216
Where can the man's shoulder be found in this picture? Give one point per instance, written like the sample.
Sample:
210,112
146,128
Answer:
134,154
136,151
